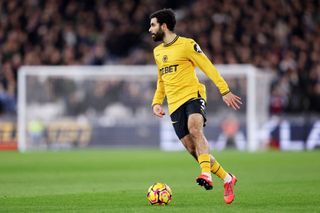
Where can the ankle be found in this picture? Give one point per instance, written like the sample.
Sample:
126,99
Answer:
227,178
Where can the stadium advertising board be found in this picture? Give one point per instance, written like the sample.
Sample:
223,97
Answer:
282,135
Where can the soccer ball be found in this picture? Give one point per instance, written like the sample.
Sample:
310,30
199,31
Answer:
159,194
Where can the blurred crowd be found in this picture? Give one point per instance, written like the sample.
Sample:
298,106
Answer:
282,37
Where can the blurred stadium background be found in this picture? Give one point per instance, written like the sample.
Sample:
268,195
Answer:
279,38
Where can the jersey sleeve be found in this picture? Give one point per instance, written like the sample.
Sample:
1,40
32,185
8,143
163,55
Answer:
159,93
199,59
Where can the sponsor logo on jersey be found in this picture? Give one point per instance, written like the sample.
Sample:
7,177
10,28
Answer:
169,69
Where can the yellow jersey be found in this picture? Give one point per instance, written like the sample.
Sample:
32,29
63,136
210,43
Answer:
177,80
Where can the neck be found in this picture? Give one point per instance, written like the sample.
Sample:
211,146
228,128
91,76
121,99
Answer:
169,37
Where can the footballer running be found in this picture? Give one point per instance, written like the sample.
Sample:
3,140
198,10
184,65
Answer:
176,58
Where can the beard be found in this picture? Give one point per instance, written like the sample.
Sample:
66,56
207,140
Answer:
158,36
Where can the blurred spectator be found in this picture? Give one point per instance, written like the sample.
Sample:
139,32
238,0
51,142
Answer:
282,36
7,90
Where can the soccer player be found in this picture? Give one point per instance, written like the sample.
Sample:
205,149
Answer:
176,58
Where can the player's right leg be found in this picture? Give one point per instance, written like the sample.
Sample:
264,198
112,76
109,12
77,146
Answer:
229,190
228,179
218,170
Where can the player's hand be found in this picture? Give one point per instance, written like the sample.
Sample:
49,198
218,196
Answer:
232,100
158,111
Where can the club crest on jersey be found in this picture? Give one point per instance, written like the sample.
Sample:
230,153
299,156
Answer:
197,48
165,58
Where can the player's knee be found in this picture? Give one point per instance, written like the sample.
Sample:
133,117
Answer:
195,132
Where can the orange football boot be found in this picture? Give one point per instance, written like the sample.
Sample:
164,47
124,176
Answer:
229,190
204,180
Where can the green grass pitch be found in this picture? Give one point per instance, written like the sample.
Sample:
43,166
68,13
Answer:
117,181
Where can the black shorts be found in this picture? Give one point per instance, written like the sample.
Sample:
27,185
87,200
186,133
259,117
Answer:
179,118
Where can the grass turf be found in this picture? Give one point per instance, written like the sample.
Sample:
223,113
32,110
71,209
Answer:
117,181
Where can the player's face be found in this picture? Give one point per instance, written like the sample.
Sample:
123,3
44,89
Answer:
155,30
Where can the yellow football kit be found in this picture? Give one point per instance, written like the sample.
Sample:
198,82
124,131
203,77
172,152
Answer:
177,78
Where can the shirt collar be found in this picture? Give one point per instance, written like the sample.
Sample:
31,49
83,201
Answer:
174,40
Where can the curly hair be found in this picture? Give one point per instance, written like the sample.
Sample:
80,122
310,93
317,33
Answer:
166,16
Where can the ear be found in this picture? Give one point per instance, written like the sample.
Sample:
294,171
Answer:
164,26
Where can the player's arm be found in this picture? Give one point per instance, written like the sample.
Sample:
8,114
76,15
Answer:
202,61
158,98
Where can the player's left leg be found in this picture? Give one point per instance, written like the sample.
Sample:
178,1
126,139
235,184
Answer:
189,145
196,121
195,127
216,169
202,180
